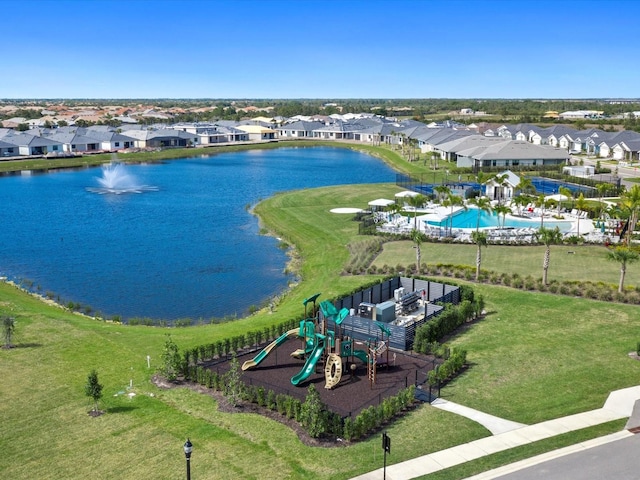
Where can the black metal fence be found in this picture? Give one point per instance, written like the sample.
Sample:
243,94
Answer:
402,335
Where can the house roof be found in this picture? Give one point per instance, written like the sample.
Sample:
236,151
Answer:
467,142
511,178
255,129
514,150
24,139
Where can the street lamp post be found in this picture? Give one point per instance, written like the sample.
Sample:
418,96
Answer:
188,447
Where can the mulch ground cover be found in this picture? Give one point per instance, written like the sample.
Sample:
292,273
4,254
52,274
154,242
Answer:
354,393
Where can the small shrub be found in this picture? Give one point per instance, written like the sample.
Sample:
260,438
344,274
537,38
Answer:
605,295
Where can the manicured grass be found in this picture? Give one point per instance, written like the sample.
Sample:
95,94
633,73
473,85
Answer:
46,432
587,262
535,357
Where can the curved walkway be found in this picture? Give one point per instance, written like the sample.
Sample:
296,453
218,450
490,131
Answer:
619,405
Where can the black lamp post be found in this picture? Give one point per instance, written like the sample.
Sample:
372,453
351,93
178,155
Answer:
188,447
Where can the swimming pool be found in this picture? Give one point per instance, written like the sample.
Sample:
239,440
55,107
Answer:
469,219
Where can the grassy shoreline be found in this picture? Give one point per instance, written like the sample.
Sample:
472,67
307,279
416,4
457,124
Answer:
535,357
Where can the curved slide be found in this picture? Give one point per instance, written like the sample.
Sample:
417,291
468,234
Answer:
310,364
362,355
267,350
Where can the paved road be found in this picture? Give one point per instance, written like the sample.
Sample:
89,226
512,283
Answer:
619,460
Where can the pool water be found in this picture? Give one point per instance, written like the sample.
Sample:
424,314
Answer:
469,219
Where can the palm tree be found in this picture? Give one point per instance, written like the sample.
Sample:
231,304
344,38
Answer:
622,255
548,237
562,191
602,189
525,185
480,239
483,204
631,203
418,238
521,201
453,201
501,210
581,205
442,191
394,209
416,202
543,204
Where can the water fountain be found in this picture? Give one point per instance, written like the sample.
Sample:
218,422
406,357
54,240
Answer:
116,180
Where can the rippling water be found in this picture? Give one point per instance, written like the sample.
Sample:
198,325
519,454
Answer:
188,250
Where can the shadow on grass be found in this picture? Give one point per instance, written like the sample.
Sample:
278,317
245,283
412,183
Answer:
21,345
121,409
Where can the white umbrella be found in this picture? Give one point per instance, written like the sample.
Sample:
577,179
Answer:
557,197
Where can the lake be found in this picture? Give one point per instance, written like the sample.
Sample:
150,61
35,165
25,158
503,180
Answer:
191,249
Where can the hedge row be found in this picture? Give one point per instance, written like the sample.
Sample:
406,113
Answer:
229,346
449,368
314,416
450,319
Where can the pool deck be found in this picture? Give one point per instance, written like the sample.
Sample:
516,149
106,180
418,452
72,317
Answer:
518,228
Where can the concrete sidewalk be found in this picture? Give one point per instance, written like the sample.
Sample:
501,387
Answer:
619,404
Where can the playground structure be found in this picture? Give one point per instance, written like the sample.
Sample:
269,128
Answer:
329,348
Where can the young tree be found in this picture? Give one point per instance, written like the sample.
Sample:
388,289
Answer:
548,237
312,415
93,389
170,359
480,239
8,329
233,383
622,255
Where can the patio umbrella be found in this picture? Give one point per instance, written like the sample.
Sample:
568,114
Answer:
557,197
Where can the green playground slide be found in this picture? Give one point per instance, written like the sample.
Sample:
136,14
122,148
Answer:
362,355
267,350
310,364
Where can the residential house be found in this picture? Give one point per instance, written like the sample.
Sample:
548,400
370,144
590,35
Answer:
161,138
299,129
627,151
33,145
74,142
510,153
8,150
258,132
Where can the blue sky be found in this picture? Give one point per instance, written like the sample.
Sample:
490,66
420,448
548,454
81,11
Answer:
319,49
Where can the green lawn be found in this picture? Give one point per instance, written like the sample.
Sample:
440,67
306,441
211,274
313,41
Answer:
535,357
588,262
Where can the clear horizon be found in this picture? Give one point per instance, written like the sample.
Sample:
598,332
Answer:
278,49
